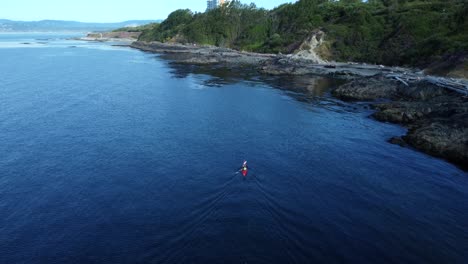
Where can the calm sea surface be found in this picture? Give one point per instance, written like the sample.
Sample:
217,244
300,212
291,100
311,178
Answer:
112,155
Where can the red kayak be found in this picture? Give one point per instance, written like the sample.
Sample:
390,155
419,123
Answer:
244,172
244,168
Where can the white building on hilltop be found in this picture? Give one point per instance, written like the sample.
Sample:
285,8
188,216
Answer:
212,4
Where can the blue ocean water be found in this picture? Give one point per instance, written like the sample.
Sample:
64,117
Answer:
112,155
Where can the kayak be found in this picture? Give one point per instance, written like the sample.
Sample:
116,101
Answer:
244,172
244,168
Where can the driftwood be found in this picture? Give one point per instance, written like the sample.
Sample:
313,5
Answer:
459,86
399,79
452,84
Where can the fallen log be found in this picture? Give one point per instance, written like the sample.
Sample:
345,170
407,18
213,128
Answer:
458,86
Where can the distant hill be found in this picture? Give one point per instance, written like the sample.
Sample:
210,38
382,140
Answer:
59,25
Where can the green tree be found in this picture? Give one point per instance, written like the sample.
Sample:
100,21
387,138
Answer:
377,31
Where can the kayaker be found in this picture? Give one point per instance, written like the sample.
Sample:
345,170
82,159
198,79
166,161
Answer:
244,168
244,165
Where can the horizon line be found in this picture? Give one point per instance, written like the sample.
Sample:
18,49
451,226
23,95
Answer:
91,22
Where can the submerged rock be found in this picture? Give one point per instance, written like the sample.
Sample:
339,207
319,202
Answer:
398,141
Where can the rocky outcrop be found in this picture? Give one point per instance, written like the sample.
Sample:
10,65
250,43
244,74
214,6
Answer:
106,36
366,89
441,139
437,118
196,54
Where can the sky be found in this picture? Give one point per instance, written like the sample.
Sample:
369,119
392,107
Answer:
105,10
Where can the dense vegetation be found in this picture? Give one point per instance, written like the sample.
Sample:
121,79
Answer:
392,32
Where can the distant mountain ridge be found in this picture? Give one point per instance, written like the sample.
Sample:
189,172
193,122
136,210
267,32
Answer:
61,25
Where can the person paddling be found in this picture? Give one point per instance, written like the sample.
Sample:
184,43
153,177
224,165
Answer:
244,168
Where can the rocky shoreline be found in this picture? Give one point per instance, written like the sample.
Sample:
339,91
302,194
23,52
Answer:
274,64
119,36
436,118
436,115
203,55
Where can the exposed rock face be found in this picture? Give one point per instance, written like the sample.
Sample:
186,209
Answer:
401,112
437,118
308,49
366,89
441,139
407,112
